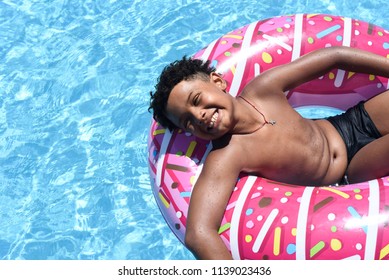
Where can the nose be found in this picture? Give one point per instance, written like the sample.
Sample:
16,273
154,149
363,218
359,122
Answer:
200,117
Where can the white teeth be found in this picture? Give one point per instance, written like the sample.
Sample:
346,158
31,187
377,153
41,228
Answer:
213,120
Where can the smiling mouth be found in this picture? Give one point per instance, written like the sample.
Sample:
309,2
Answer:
213,120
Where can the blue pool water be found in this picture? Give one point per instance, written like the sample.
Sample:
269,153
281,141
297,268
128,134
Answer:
75,78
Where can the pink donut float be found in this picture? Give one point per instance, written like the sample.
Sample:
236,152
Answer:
266,219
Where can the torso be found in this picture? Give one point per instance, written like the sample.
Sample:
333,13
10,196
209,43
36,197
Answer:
294,150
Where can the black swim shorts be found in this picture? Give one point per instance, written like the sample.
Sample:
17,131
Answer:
356,128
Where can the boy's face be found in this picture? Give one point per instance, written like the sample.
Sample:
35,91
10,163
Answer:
201,108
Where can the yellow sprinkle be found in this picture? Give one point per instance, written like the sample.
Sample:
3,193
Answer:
233,36
294,231
358,196
311,15
266,57
248,238
191,148
164,201
336,245
277,238
192,180
371,77
338,192
233,69
159,131
350,74
384,251
331,75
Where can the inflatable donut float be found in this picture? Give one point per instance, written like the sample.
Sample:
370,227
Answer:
265,219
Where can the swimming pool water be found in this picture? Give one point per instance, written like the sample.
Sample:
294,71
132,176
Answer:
75,78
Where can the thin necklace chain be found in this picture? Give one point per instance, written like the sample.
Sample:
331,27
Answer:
271,122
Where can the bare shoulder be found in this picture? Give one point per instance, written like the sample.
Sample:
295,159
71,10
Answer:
224,158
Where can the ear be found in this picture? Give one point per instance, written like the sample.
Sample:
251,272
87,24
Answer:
218,80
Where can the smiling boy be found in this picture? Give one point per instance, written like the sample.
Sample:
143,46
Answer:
261,134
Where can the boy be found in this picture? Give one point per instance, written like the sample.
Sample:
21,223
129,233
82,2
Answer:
261,134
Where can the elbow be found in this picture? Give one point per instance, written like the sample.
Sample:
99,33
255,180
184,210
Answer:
192,240
196,242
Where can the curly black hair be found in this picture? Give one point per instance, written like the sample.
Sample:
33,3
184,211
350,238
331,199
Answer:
177,71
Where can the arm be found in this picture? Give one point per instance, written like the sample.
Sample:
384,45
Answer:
318,63
208,203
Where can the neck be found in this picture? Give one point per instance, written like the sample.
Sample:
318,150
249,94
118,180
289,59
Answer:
261,124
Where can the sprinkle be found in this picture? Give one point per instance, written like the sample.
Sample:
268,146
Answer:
159,131
176,167
322,203
250,224
191,148
357,221
350,74
317,248
336,245
231,205
255,195
265,201
185,194
284,200
338,192
384,251
276,244
164,199
370,29
233,36
353,257
291,249
328,31
224,227
267,58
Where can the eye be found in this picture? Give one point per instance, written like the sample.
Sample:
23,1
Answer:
196,99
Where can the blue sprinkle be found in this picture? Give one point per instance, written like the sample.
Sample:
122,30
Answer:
328,31
249,211
291,249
